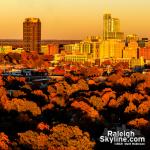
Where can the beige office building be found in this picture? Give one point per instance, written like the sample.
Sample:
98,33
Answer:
111,49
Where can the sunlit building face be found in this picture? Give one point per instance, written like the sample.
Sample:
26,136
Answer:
115,25
111,28
106,25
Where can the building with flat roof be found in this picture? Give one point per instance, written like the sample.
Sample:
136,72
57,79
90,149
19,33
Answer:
111,48
131,50
145,53
76,58
32,34
5,49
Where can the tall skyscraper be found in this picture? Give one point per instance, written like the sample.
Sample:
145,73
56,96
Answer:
111,28
115,25
32,34
106,25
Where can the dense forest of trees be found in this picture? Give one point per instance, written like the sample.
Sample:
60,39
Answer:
28,60
71,114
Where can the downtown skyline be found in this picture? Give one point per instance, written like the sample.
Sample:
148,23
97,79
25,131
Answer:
69,19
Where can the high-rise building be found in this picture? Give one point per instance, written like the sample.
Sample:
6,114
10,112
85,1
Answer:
106,25
111,28
32,34
115,25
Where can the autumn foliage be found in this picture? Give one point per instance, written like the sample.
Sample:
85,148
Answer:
70,114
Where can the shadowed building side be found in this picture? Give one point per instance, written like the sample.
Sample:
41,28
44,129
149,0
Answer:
32,34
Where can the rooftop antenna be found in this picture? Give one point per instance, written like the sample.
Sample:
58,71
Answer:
106,9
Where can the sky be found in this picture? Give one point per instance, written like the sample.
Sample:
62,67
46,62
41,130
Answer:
73,19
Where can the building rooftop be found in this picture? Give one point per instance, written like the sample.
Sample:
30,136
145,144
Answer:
32,19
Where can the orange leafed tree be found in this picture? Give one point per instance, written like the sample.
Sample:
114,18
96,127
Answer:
43,126
33,140
86,109
21,105
4,141
69,138
138,123
61,136
131,108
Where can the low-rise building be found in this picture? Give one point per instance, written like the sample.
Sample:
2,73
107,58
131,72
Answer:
72,48
50,49
53,49
145,53
18,50
132,38
137,62
76,58
131,50
5,49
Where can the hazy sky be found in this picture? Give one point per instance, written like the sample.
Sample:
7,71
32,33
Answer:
73,19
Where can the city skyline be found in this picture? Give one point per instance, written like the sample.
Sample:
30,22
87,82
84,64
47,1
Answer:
68,19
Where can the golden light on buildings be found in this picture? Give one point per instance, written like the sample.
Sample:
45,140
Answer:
32,34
